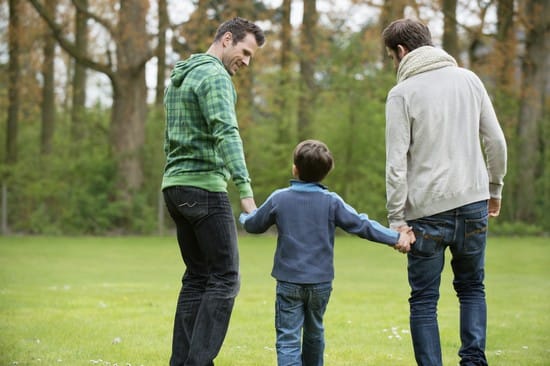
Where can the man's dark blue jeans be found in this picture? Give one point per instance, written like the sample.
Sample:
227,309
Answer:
464,231
207,238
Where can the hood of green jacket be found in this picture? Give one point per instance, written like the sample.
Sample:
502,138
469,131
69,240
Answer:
182,68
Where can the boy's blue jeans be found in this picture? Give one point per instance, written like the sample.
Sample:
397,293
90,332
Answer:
300,308
207,238
464,231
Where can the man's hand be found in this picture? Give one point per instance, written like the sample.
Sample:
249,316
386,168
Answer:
248,204
406,238
494,207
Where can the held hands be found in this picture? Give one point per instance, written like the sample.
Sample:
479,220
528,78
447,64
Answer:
406,238
248,204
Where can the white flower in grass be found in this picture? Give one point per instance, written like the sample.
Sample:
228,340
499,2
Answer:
117,340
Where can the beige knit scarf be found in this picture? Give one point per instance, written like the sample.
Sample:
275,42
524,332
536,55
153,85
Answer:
423,59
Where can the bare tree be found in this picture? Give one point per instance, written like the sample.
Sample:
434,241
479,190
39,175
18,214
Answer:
195,35
450,32
285,74
531,115
14,100
125,67
79,77
164,23
48,92
306,99
391,10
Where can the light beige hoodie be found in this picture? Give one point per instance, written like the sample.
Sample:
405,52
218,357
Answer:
439,123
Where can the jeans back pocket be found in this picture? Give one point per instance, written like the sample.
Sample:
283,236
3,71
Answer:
475,234
429,236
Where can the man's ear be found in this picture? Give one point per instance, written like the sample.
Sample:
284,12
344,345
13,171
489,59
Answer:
227,38
401,51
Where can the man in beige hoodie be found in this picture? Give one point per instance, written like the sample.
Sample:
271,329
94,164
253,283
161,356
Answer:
445,164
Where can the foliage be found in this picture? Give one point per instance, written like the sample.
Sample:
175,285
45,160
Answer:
517,228
101,301
73,190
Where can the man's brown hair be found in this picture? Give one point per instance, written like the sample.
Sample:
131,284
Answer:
408,33
239,28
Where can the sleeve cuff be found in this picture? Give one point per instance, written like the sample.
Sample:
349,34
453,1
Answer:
242,218
394,225
245,190
495,190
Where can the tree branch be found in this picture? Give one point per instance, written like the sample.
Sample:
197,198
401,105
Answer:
68,46
78,5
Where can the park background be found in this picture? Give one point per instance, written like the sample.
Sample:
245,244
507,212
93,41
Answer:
81,117
89,266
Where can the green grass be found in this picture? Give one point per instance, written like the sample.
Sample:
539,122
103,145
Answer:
106,301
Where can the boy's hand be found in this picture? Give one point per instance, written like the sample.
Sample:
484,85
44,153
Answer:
406,238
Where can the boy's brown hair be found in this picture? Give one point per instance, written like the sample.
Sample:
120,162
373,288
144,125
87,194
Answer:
313,160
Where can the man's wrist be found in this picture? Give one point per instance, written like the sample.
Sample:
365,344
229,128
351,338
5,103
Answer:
396,225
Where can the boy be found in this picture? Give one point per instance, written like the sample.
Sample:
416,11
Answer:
306,215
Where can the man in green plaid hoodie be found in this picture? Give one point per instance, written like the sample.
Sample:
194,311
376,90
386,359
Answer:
203,151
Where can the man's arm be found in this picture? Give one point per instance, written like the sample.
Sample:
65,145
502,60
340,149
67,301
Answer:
218,106
397,146
494,144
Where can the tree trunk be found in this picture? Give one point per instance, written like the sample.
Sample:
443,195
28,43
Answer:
48,89
130,97
391,10
531,114
127,130
14,75
506,44
450,37
164,22
127,75
79,77
307,70
282,97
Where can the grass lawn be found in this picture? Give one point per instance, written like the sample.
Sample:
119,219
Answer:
107,301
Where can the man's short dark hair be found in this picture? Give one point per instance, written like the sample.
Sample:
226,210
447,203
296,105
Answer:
408,33
313,160
239,28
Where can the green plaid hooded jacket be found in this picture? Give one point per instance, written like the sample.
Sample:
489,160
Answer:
202,143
